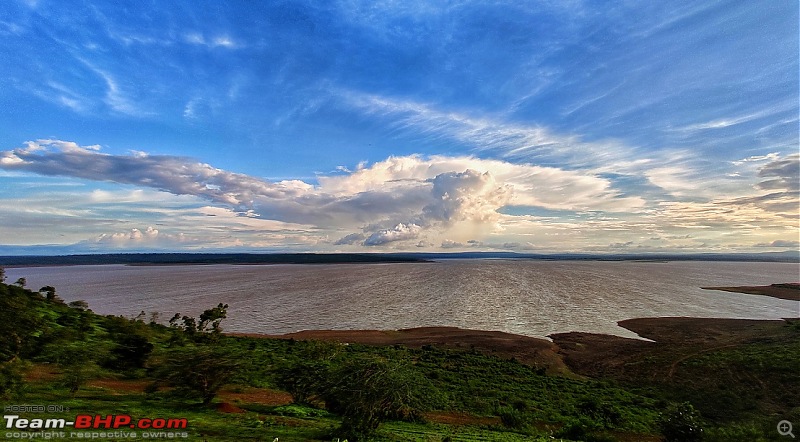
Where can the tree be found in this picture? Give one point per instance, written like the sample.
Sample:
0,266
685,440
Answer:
78,359
131,352
306,378
210,319
49,293
195,372
2,275
11,380
21,282
681,423
208,326
79,305
368,391
20,321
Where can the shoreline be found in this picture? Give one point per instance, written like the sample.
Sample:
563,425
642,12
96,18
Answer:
788,291
573,353
537,352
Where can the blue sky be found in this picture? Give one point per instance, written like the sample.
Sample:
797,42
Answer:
543,126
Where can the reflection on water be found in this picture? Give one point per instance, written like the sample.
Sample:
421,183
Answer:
533,298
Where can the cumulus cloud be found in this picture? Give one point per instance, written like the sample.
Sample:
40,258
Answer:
150,234
400,232
400,198
450,244
401,202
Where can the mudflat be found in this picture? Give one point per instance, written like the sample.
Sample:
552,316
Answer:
532,351
668,341
790,291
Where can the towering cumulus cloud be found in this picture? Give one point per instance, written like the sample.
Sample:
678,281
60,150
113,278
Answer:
417,201
399,199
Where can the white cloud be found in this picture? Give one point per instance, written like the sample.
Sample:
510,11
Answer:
757,158
400,201
197,38
400,232
485,134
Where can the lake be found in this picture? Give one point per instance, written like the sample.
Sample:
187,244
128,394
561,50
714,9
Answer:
528,297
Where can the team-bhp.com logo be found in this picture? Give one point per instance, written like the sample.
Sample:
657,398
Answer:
88,421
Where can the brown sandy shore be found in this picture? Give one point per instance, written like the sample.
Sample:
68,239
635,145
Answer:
528,350
672,341
790,291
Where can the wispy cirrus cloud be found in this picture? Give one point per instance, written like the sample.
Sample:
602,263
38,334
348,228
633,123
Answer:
501,137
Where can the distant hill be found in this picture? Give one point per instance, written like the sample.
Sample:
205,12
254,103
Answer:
204,258
335,258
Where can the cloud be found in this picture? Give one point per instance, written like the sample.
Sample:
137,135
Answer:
115,97
135,235
450,244
352,238
196,38
400,232
400,201
757,158
486,134
781,174
436,194
780,243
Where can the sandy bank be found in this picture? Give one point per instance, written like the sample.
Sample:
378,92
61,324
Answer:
790,291
532,351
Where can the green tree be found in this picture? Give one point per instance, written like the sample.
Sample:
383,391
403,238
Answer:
306,378
78,359
195,372
681,423
49,293
11,380
207,326
79,305
20,321
369,390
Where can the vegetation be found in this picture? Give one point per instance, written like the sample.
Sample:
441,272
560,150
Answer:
54,353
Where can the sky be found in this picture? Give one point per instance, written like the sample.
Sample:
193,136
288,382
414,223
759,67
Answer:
551,126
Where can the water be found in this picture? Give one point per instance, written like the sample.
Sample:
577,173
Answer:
533,298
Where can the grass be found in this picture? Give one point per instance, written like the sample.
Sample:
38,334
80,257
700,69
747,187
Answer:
740,390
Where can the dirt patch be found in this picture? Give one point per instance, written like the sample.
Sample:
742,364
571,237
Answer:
460,418
531,351
126,385
42,373
263,396
790,291
226,407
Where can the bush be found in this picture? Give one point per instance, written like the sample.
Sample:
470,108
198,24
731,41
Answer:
11,381
512,418
195,372
367,391
681,423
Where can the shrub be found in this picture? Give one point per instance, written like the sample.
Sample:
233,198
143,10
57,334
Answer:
195,372
681,423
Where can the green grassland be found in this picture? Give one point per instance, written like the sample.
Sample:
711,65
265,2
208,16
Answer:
235,388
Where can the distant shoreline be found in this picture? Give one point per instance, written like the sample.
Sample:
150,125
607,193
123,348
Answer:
363,258
788,291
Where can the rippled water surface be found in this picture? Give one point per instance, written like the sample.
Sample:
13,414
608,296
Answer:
533,298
